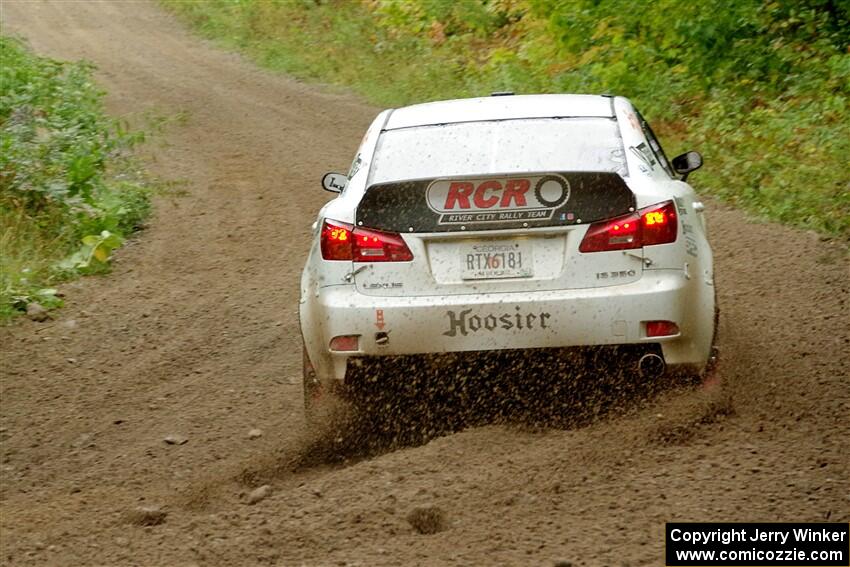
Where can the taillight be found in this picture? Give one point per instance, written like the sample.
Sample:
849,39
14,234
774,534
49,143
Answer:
336,240
659,224
341,241
655,224
378,246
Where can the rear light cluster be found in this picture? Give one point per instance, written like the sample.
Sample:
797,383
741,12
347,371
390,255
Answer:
655,224
342,241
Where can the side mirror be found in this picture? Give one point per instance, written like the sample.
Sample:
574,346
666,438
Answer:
334,182
686,163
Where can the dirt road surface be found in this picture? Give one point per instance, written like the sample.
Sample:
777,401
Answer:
195,334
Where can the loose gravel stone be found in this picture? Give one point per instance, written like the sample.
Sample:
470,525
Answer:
258,494
147,516
37,312
427,519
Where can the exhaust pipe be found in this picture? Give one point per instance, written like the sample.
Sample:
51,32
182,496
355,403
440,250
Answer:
651,366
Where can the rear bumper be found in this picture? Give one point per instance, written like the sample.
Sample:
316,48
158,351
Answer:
497,321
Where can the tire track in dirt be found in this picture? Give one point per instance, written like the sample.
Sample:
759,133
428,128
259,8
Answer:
195,332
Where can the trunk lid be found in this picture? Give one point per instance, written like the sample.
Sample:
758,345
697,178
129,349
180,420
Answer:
496,233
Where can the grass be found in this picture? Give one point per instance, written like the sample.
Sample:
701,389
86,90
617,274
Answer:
762,89
70,192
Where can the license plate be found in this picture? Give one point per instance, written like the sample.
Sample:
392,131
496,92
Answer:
496,259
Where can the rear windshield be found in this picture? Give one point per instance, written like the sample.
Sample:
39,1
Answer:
503,146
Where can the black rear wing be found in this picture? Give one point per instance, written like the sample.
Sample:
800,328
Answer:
499,201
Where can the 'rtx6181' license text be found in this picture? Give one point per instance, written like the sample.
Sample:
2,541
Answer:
496,260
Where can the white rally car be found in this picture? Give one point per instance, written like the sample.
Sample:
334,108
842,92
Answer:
509,222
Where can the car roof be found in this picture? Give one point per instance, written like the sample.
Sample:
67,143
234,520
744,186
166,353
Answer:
502,107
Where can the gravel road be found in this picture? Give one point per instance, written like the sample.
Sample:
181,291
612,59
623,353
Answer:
194,337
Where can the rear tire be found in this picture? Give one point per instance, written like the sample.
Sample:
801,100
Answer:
323,403
312,388
693,378
714,352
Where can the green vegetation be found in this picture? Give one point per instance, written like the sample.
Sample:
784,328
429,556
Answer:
68,192
760,88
